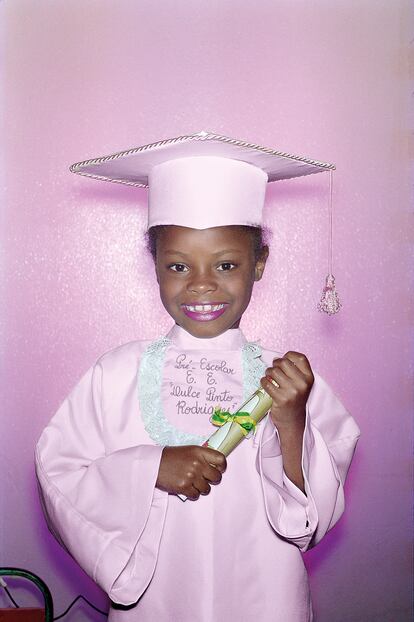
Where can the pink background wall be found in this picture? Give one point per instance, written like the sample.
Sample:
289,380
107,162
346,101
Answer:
327,80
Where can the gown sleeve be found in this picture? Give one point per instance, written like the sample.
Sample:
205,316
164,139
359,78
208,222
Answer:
329,442
102,507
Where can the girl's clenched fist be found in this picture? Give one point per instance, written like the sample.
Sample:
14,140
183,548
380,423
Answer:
190,470
288,382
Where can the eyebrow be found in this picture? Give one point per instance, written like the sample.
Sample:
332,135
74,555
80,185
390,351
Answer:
227,250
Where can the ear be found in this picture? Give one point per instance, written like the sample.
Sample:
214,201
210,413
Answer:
261,263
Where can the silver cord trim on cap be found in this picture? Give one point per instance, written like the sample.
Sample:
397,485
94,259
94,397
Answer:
75,168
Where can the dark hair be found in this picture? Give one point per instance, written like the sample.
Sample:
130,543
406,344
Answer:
258,236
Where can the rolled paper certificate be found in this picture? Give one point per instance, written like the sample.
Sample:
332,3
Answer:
229,435
234,428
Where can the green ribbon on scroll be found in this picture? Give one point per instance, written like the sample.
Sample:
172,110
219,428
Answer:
244,420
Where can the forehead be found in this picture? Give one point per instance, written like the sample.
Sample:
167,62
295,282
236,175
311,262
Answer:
228,237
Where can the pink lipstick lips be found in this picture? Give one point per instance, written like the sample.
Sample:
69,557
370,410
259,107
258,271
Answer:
204,312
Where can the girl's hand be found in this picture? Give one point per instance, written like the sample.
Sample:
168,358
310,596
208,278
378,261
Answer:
189,470
294,378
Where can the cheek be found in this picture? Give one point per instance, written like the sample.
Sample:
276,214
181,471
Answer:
242,289
169,288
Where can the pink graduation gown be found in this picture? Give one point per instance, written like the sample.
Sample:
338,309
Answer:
232,555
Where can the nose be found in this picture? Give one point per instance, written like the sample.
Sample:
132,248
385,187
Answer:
201,283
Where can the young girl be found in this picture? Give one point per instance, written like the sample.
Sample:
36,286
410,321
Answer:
129,437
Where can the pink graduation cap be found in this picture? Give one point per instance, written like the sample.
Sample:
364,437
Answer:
201,180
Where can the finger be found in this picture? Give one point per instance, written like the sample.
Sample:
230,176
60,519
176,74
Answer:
192,493
270,388
295,382
286,387
300,361
214,457
278,375
212,474
202,485
290,370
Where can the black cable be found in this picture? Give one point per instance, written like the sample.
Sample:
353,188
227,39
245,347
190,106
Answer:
104,613
40,584
10,596
45,590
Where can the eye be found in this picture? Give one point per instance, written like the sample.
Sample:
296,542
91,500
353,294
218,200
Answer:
226,266
178,267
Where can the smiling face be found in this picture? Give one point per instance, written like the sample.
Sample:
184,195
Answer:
206,276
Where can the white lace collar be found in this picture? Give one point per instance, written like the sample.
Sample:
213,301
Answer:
150,379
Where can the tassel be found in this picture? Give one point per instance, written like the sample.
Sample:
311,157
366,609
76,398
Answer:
329,302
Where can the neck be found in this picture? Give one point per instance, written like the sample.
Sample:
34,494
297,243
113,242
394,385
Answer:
231,339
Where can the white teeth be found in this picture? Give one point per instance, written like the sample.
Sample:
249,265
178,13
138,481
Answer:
204,308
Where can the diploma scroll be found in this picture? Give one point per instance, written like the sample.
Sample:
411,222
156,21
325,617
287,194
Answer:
232,432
